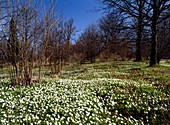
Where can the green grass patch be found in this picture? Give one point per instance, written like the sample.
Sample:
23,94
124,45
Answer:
100,93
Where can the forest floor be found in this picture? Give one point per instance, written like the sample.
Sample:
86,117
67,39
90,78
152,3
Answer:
119,92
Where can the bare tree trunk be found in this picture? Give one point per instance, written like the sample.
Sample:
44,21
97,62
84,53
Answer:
59,66
138,44
39,70
153,54
16,74
139,31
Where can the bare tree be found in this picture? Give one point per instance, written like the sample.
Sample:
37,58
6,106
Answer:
156,16
110,27
58,49
48,26
13,48
147,13
163,40
54,48
89,44
129,9
68,31
25,34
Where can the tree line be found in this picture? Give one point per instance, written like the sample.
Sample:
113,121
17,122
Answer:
143,16
33,35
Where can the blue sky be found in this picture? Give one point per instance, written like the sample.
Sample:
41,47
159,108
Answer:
82,11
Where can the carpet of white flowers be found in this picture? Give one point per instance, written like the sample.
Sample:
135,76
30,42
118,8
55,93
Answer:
99,101
93,101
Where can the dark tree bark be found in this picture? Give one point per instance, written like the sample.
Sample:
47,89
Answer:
138,45
13,47
139,30
163,41
153,54
134,9
150,12
157,10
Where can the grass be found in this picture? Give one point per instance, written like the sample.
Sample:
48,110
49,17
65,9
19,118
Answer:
123,70
100,93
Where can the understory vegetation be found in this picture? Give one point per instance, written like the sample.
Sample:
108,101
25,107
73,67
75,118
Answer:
120,92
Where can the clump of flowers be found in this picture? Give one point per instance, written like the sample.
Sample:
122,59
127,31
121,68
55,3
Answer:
95,101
